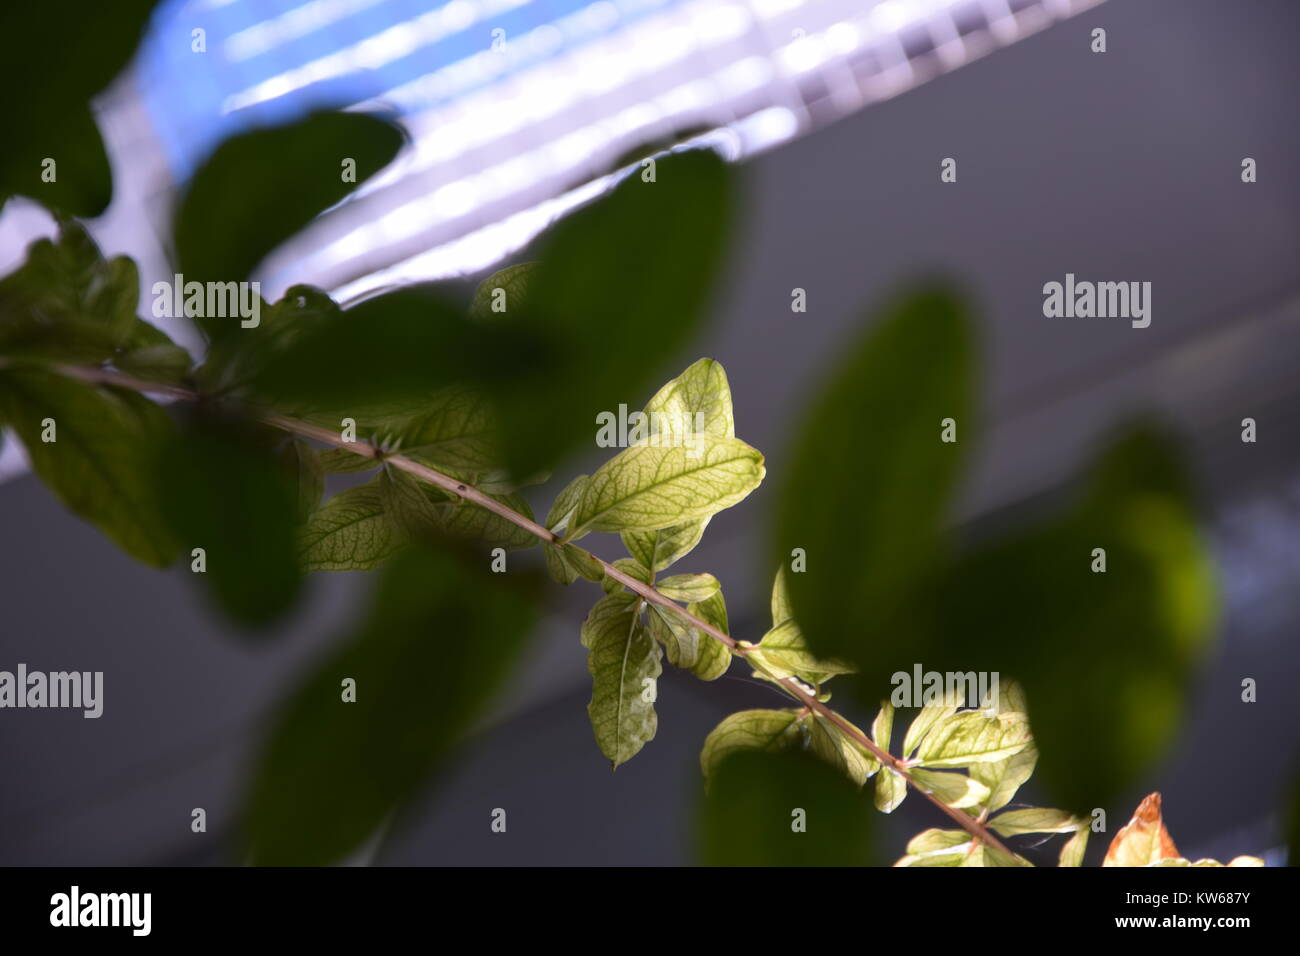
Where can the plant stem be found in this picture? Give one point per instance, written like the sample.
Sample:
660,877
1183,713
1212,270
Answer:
647,592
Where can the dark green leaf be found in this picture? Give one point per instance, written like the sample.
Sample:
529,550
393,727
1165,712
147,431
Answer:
224,491
100,464
755,800
438,641
54,57
221,240
870,479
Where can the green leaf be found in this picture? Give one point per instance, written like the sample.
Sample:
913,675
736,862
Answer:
924,721
67,303
453,432
223,490
1005,777
512,281
691,588
302,464
438,641
607,613
220,240
623,660
834,746
646,487
340,461
882,728
408,503
1072,850
100,464
350,532
751,730
54,57
566,563
687,647
659,549
954,789
566,502
782,808
714,657
869,483
696,402
937,848
630,567
783,653
391,357
621,285
1128,647
972,737
891,788
1034,820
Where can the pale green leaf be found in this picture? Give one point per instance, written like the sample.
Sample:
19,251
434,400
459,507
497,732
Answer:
657,550
690,588
784,653
1072,850
696,402
751,730
929,715
834,746
566,502
891,788
1005,777
623,660
646,487
629,566
567,562
606,613
1034,820
936,847
715,657
954,789
971,737
882,728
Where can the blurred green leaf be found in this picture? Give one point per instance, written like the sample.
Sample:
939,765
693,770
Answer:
100,463
54,57
937,848
757,801
495,294
869,481
438,641
67,303
220,240
645,487
620,286
301,463
223,490
1124,641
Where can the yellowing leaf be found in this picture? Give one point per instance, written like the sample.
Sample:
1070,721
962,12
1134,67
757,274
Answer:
1144,840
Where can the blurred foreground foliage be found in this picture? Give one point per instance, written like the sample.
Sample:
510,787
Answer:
494,398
